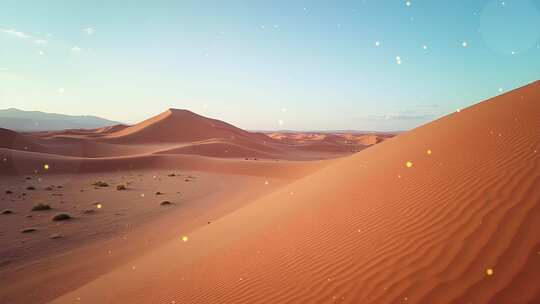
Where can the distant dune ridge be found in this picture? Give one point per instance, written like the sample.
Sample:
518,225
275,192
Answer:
171,134
446,213
20,120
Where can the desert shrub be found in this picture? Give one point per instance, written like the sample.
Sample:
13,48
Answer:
61,217
41,207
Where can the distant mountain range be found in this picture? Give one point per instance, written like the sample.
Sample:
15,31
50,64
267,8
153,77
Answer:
19,120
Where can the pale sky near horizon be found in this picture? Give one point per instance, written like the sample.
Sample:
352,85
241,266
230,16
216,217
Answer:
299,65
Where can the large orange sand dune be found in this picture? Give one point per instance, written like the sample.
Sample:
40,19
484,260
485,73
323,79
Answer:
459,224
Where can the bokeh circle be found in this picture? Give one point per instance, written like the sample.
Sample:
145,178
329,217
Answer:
510,26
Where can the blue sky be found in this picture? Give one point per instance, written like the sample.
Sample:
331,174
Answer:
366,65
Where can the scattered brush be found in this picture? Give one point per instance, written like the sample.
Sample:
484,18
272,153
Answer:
7,211
166,203
121,187
9,192
41,207
28,230
100,184
61,217
30,188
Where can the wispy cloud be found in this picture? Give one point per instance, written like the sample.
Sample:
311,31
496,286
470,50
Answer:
89,30
76,49
419,113
15,33
23,35
399,117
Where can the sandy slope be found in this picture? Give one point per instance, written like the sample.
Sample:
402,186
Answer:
460,225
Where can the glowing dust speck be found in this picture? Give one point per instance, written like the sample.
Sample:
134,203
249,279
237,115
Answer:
99,206
408,164
185,238
46,166
489,272
429,152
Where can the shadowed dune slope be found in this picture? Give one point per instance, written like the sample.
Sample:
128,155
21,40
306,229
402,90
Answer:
460,225
13,140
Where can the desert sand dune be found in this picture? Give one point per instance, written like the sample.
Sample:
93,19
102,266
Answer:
23,163
218,148
446,213
330,142
180,132
13,140
188,126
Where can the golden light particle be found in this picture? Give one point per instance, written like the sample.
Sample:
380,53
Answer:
46,166
408,164
266,182
428,152
99,206
489,272
185,238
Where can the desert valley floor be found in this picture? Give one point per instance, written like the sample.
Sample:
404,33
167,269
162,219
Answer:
185,209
